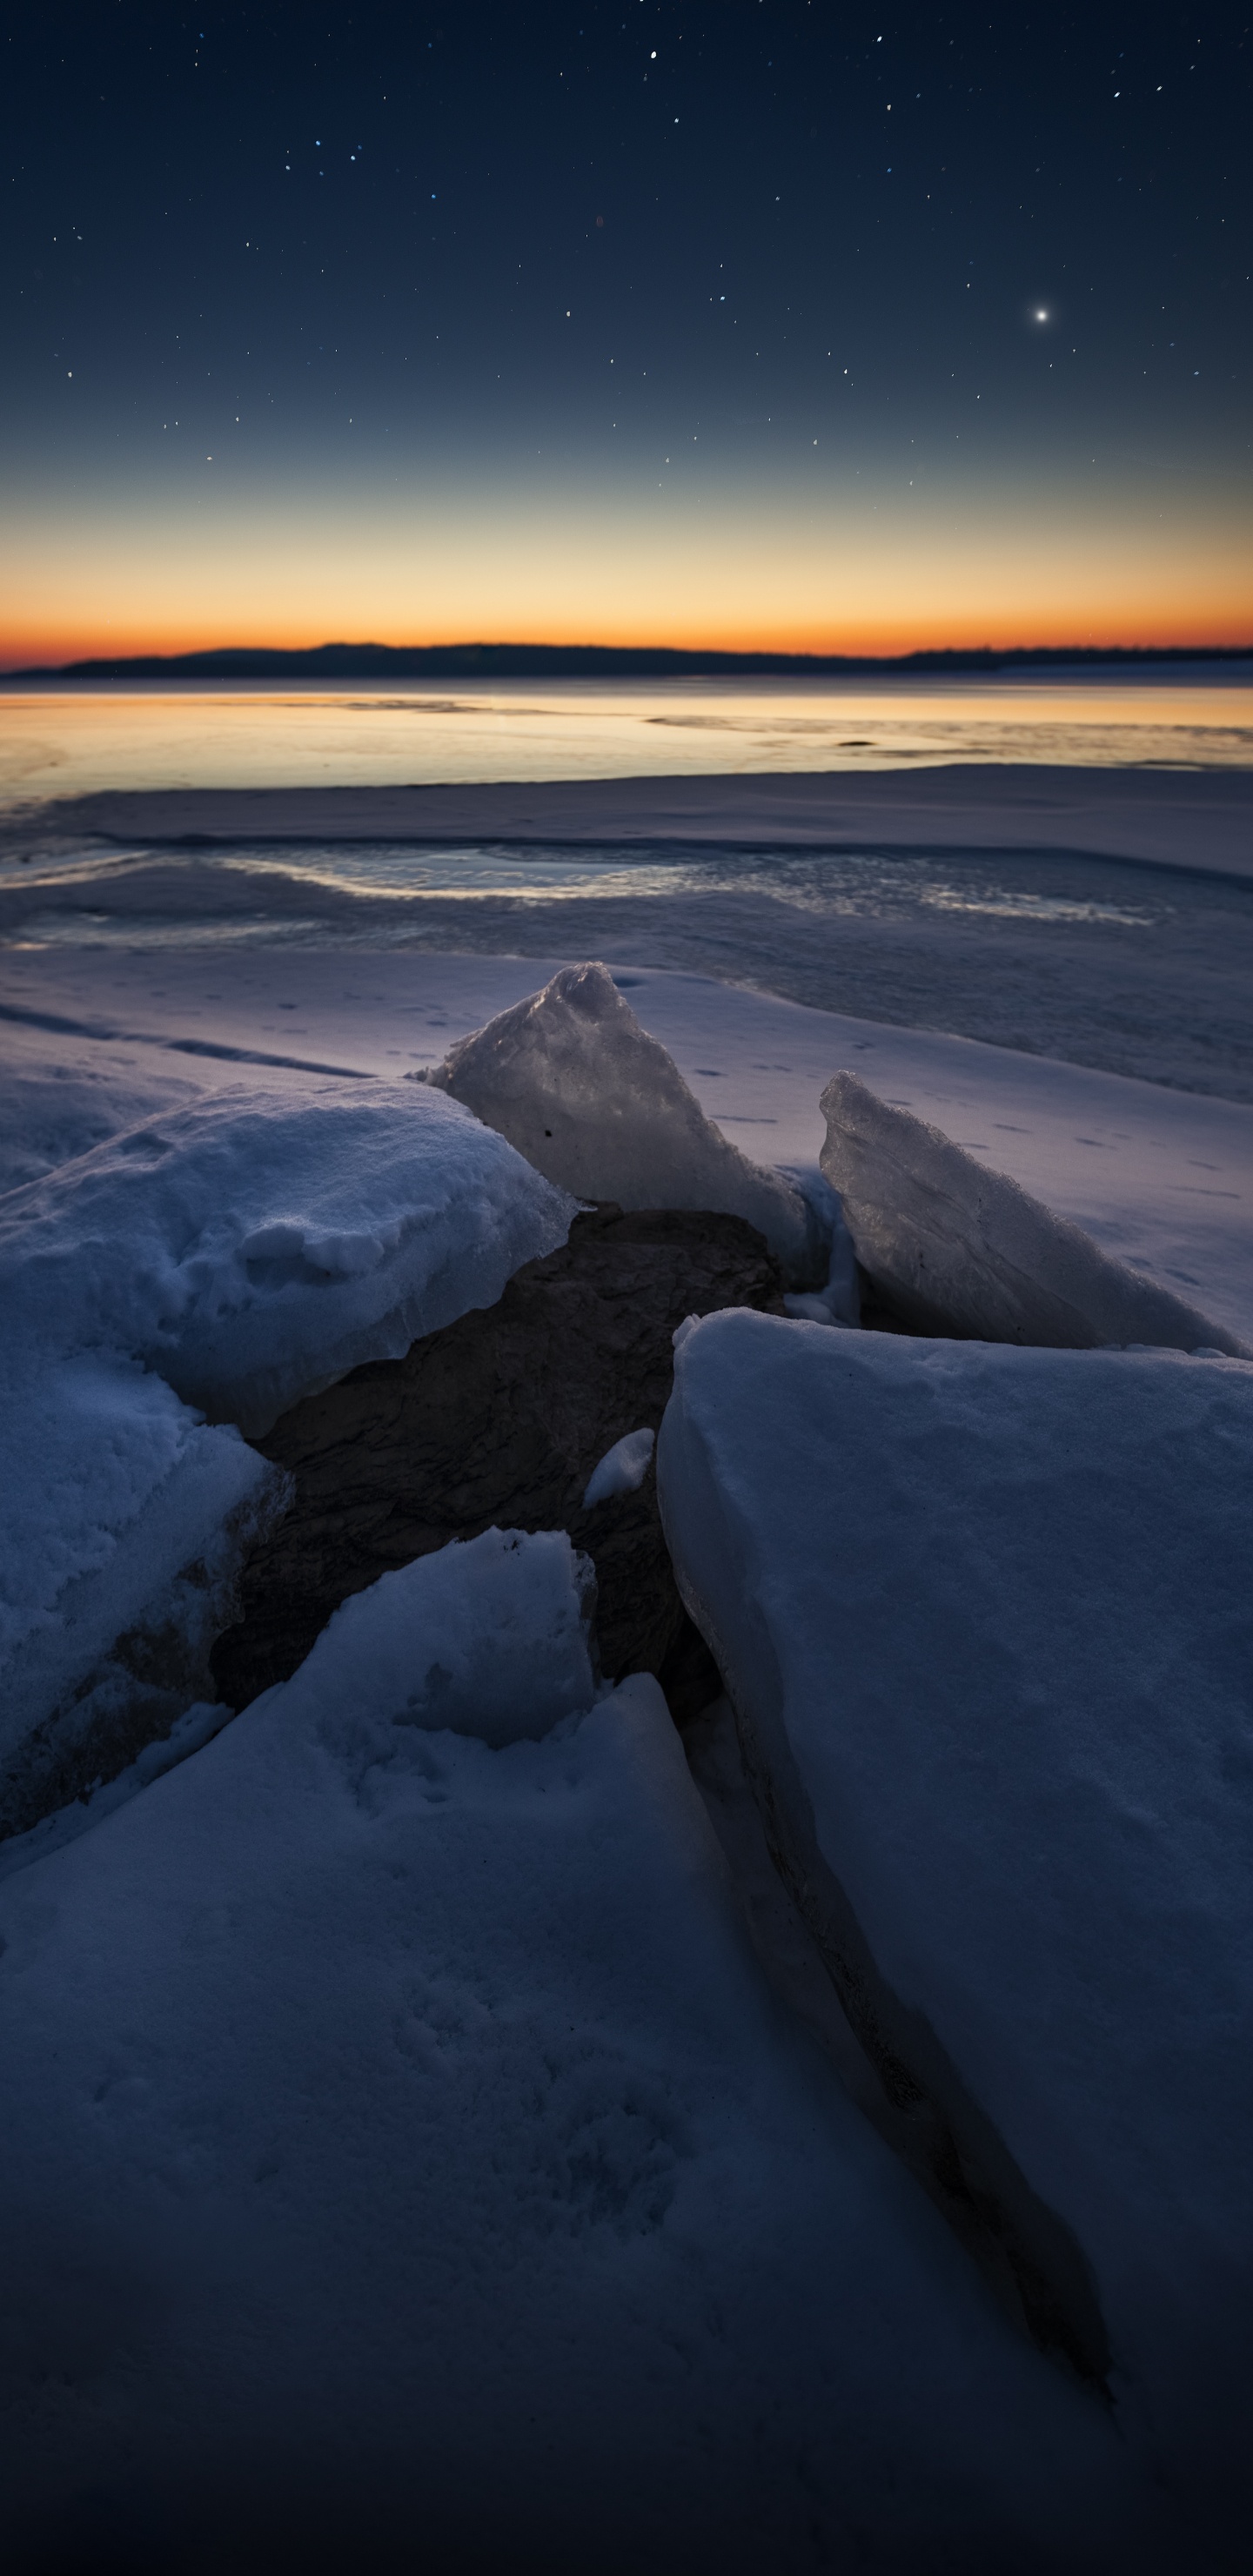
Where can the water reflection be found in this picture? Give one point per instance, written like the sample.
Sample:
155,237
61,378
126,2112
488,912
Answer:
71,743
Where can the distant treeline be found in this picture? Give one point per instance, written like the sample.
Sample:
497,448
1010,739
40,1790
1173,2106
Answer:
596,662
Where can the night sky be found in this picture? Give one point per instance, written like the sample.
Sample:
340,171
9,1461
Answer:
766,322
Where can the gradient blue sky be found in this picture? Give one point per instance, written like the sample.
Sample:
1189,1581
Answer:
766,322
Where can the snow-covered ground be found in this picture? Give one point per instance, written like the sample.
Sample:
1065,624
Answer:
1172,817
1104,917
397,2132
399,2138
1164,1178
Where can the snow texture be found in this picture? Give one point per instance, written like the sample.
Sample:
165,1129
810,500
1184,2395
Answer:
256,1245
486,1637
52,1110
959,1249
1161,1178
1177,818
196,1727
230,1255
397,2136
576,1084
622,1469
986,1619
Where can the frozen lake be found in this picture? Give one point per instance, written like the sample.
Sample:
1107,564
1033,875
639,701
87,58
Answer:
1121,964
529,1959
1061,866
75,741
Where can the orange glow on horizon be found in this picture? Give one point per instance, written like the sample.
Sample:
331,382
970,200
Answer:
749,574
29,643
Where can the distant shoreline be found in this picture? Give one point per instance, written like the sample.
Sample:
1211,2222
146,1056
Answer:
618,662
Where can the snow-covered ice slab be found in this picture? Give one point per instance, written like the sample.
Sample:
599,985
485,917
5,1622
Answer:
397,2136
961,1249
986,1618
571,1078
254,1246
122,1521
60,1096
232,1254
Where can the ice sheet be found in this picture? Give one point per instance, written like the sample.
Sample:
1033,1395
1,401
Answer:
485,1638
1179,818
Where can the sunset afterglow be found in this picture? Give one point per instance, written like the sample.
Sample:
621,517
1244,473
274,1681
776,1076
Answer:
867,345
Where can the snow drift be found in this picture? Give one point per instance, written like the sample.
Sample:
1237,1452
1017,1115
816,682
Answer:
397,2136
961,1249
986,1619
576,1084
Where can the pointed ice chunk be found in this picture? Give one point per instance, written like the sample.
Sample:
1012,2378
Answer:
962,1250
598,1106
622,1469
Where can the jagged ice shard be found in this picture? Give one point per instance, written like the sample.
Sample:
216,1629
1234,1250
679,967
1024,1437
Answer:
961,1250
599,1107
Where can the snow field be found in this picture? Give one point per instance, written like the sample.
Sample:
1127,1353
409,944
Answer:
403,2138
1160,1178
395,2127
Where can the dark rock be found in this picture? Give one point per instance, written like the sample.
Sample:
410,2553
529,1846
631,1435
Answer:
500,1419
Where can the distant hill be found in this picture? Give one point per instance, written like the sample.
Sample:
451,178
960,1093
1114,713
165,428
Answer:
597,662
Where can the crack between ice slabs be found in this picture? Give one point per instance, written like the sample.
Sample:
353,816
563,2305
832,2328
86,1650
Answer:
1033,2262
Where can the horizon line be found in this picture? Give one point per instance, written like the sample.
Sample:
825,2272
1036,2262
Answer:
343,660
